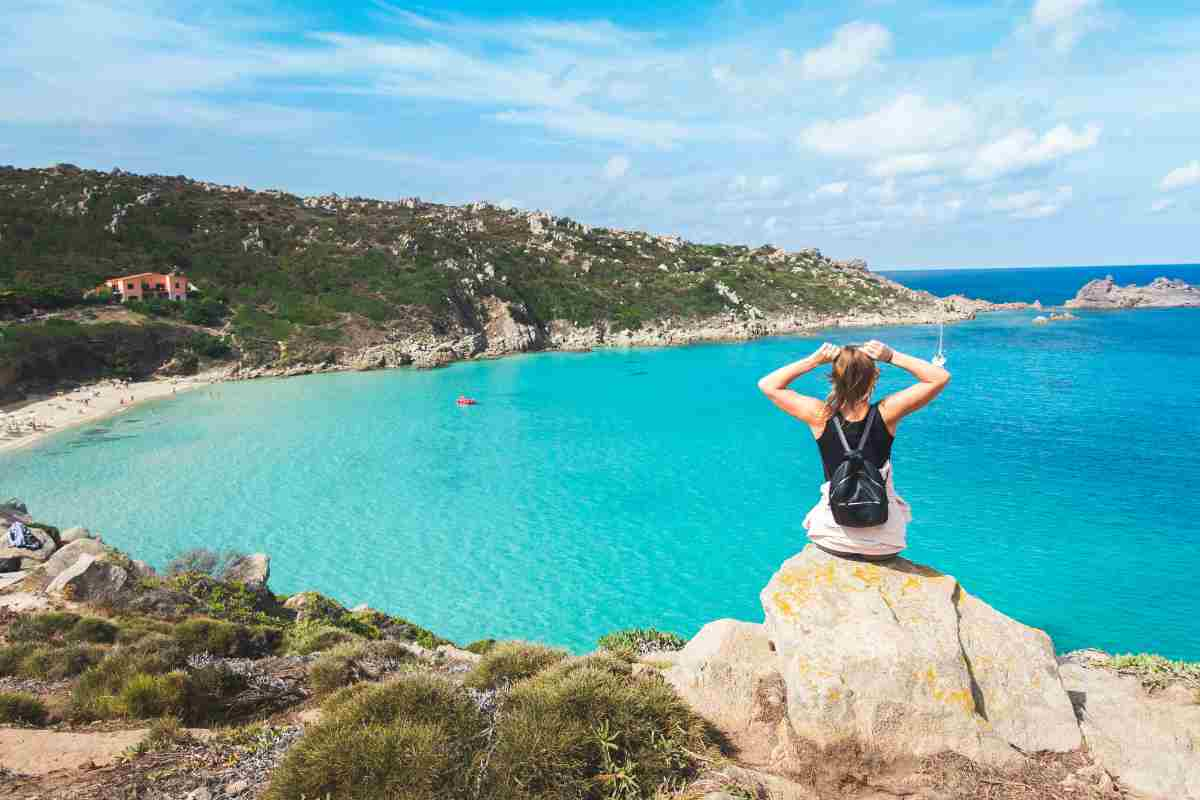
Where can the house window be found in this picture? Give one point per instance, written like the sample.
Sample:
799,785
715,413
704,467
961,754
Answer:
130,285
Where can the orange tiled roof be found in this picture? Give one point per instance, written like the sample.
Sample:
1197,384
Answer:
143,275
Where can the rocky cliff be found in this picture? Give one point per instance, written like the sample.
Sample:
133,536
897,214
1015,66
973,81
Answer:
1104,293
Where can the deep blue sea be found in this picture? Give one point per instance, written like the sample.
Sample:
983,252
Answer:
1056,477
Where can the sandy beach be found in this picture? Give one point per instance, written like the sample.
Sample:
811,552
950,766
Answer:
24,423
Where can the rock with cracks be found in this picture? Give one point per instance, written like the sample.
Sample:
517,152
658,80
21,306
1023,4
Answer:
91,580
894,656
1151,742
253,570
70,553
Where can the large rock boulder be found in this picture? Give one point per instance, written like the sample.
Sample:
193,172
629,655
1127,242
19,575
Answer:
730,675
253,570
893,656
72,534
1151,742
70,553
30,559
91,580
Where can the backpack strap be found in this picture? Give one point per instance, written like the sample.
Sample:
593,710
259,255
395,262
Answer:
837,426
867,428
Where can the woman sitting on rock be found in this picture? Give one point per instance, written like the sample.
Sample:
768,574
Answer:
864,425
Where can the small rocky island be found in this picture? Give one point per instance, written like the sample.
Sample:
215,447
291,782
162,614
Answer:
1159,293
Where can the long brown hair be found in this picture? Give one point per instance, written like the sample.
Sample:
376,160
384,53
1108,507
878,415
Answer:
853,378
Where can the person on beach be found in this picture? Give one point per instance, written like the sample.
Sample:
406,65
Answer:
874,424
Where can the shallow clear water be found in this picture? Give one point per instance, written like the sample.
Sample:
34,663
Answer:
588,492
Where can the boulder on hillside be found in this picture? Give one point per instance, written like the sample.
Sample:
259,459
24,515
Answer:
70,553
1151,742
730,675
253,570
30,559
893,655
90,580
72,534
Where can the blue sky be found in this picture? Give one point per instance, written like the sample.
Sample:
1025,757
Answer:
906,132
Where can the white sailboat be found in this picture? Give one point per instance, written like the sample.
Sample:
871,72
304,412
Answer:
939,358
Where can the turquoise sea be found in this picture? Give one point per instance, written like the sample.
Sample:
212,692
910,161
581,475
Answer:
586,492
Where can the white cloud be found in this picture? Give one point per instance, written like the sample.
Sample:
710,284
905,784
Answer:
908,124
907,164
832,189
1023,149
1034,204
1181,177
600,125
1065,21
1158,206
616,167
854,48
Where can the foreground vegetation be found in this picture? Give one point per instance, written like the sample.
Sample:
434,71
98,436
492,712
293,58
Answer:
403,712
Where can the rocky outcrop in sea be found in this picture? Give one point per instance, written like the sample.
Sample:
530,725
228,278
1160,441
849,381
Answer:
1104,293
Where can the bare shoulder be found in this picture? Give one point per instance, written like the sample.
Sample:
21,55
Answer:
890,413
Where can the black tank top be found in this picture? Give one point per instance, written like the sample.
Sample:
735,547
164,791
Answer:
877,450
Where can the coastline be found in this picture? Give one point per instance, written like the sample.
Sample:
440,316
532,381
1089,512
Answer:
504,336
90,403
67,410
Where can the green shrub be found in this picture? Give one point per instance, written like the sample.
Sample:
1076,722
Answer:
587,728
209,692
133,629
92,629
641,641
416,737
345,664
96,693
333,671
509,662
154,653
144,696
21,708
222,638
229,600
201,560
166,733
1154,671
312,636
481,647
11,657
40,627
58,662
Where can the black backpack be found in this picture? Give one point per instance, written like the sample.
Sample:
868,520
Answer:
857,491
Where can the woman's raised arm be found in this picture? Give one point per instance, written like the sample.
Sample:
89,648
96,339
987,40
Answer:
931,380
802,407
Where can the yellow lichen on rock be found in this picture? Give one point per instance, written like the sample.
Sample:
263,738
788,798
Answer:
957,698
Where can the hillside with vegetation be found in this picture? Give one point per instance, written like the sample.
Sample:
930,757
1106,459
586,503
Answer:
290,279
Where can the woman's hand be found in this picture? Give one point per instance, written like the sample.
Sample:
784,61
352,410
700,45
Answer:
878,351
827,353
